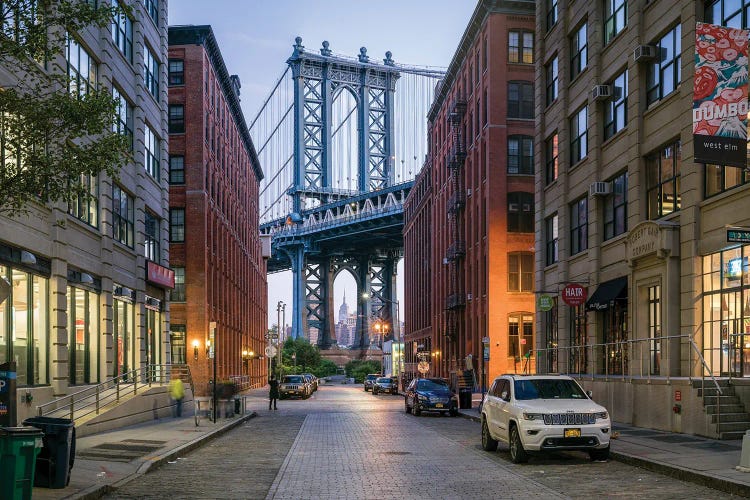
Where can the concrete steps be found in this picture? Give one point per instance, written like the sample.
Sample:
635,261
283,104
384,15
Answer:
725,411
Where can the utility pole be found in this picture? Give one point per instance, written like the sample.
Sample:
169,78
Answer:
212,353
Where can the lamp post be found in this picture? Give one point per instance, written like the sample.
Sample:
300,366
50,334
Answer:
280,306
397,332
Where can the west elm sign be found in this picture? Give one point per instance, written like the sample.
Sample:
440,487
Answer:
738,235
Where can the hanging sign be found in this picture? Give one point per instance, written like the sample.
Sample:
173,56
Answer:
545,303
574,294
720,95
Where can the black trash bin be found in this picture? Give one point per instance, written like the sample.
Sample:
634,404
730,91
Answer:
55,460
464,398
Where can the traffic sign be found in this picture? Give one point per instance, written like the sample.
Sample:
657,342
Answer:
272,335
270,351
423,367
738,235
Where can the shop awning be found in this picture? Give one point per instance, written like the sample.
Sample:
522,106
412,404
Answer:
608,292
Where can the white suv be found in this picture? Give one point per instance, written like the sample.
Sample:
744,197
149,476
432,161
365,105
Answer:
543,413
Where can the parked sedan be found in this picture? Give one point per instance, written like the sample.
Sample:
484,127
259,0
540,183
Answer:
294,386
430,394
370,380
387,385
313,381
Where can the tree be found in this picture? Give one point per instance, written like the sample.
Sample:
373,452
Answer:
307,355
326,368
56,134
358,369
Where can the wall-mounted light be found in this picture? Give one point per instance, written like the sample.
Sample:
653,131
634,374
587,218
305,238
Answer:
195,349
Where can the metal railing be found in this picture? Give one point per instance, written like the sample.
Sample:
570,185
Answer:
93,399
615,360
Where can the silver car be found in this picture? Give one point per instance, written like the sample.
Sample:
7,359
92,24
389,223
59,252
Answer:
387,385
294,386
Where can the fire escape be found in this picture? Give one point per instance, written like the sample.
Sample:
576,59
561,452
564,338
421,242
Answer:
456,298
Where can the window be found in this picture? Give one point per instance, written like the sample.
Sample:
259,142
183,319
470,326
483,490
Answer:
551,13
122,216
552,237
720,178
551,149
520,335
152,7
151,237
579,232
151,72
24,326
81,68
122,32
177,170
616,207
616,108
124,123
176,72
579,135
521,272
579,52
729,13
83,330
616,14
654,327
521,47
664,75
84,205
176,119
178,292
663,181
577,337
552,80
178,342
177,225
152,153
521,100
520,212
521,154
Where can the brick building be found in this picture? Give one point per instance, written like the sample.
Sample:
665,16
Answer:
220,274
469,228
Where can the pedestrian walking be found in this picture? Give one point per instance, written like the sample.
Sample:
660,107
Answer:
273,393
177,393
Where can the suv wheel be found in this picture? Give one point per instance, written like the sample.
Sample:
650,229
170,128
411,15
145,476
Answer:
453,412
406,407
488,444
417,412
517,454
599,455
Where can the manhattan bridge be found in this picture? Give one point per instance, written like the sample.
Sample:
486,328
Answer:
340,140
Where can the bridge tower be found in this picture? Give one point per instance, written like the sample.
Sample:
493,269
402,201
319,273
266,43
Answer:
317,80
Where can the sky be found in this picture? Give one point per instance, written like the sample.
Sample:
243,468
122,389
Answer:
256,37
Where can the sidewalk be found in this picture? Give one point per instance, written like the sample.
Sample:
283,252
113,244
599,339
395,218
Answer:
708,462
130,452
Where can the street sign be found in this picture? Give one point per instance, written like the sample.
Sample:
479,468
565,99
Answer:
485,340
486,353
271,336
423,367
574,294
738,235
270,351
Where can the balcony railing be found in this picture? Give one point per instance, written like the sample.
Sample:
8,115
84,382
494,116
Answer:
455,301
457,109
457,155
457,201
456,250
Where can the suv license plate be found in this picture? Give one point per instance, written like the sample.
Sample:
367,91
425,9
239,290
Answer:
438,405
572,433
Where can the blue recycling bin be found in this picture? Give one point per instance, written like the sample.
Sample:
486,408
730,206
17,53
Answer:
55,460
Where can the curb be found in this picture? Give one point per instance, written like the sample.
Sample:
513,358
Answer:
691,476
98,491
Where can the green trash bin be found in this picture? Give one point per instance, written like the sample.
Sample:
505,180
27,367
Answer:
19,447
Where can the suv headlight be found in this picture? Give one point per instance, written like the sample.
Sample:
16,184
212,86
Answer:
601,415
422,397
533,416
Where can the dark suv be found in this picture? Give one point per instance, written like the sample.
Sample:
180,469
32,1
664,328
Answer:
430,394
370,380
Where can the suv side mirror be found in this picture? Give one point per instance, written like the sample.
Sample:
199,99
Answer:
590,394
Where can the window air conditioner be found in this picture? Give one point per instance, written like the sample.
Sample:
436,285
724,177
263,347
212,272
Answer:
644,53
599,188
469,296
601,92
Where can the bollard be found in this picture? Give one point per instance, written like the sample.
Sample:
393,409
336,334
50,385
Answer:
745,457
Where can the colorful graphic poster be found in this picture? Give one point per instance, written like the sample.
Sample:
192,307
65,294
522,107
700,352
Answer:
720,95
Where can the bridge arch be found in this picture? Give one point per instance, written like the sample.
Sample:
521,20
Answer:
344,150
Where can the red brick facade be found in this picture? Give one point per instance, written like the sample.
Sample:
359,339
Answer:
225,274
464,269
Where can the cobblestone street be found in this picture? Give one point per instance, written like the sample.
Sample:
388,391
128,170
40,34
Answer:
345,443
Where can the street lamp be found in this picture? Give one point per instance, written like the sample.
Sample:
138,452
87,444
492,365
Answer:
396,329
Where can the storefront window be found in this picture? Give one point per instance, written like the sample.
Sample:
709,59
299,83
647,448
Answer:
83,328
577,339
726,311
654,328
23,326
123,334
153,337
